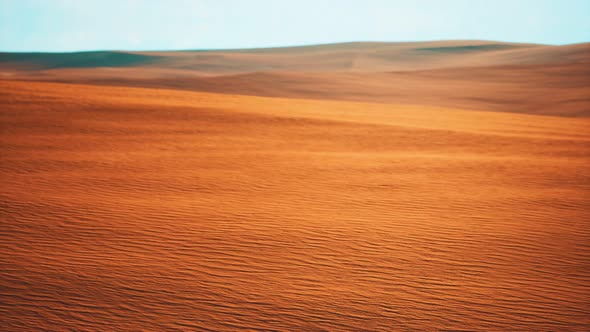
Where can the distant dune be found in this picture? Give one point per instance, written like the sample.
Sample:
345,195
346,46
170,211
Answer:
355,57
479,75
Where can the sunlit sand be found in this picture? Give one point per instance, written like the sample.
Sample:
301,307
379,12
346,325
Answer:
129,208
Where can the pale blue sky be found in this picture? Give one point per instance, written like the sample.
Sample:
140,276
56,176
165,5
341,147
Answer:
70,25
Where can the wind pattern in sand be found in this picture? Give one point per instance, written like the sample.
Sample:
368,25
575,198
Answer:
126,209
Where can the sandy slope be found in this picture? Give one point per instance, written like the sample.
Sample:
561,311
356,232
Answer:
492,76
128,209
363,57
556,89
344,57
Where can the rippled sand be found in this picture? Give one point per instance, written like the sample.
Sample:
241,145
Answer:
127,209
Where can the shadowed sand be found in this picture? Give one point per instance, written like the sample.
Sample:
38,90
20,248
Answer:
150,209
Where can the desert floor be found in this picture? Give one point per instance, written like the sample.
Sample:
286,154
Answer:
159,208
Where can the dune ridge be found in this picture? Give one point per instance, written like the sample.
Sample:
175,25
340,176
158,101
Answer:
357,56
478,75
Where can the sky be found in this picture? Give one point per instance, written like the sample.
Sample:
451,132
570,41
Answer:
75,25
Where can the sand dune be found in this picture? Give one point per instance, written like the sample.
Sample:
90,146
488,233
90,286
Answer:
536,89
345,187
478,75
149,209
355,57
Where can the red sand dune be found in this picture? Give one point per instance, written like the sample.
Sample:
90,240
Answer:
491,76
347,187
140,209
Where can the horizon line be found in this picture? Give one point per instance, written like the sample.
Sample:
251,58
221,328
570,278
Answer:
287,46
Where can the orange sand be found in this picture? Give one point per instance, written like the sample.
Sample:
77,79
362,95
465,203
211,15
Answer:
144,209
